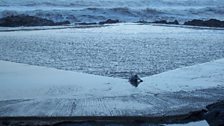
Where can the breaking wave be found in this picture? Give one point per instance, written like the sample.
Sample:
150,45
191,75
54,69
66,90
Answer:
111,3
125,10
88,14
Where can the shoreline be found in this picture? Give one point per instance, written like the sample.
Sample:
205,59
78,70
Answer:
31,21
40,28
54,89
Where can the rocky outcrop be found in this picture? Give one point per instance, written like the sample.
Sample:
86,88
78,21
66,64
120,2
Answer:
207,23
175,22
215,114
135,80
25,20
109,21
62,23
84,23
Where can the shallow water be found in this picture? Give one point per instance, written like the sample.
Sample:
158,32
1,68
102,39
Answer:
115,51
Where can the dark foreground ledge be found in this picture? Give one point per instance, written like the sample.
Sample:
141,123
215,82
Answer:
99,120
213,114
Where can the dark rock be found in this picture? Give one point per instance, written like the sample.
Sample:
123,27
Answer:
25,20
208,23
196,115
135,80
215,114
5,123
62,23
109,21
84,23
